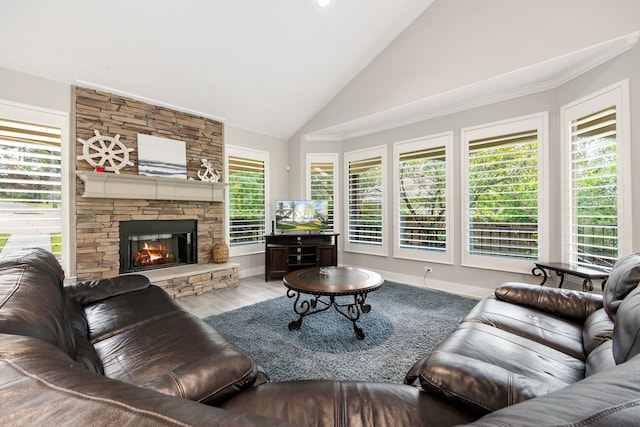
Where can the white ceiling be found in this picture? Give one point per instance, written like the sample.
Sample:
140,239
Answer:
265,66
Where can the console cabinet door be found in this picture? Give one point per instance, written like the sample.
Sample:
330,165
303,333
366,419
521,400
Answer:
277,263
327,256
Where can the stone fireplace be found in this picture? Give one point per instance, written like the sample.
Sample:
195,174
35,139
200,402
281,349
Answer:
106,201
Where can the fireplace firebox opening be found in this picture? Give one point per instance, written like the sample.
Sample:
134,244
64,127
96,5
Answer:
146,245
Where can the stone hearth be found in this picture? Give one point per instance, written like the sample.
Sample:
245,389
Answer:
188,280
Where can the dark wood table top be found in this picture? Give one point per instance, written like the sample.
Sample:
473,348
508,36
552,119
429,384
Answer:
336,281
574,269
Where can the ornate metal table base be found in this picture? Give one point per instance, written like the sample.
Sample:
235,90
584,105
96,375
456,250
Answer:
323,286
305,307
587,274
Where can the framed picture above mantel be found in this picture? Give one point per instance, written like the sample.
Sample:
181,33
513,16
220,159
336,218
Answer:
161,157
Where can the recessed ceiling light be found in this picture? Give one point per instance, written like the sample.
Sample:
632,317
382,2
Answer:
323,3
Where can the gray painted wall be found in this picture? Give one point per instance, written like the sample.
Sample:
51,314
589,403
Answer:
31,90
278,182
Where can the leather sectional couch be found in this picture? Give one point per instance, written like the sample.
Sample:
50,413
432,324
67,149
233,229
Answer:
552,356
121,352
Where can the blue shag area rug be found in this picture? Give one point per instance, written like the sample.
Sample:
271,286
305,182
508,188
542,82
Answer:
405,323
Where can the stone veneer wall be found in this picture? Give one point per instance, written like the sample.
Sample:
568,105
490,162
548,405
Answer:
98,219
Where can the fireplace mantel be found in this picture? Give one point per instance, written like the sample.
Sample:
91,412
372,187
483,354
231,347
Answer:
121,186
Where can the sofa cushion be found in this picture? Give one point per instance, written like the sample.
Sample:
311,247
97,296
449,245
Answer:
566,303
141,338
115,314
626,333
623,279
597,329
486,368
536,325
346,403
600,359
32,302
40,385
85,353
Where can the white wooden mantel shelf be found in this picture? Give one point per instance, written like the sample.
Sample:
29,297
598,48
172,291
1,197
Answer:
107,185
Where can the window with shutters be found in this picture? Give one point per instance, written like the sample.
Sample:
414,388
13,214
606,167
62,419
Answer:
322,181
30,187
422,199
595,147
247,196
504,180
365,201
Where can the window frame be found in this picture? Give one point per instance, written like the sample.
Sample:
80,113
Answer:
539,122
248,153
48,117
618,95
355,156
324,158
433,141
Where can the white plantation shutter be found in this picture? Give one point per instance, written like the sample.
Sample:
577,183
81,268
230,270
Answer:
422,199
31,185
594,188
322,183
365,201
247,200
503,196
505,183
597,227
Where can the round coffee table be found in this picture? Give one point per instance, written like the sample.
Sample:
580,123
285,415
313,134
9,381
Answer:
324,285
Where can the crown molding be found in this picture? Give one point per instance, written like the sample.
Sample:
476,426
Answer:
322,137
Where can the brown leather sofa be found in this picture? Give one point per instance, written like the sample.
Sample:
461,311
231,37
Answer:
121,352
552,356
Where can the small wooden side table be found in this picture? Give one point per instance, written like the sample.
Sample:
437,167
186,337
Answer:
561,268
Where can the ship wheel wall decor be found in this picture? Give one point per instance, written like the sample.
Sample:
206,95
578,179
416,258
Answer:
106,152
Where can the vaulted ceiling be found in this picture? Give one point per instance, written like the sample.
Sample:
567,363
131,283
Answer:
266,66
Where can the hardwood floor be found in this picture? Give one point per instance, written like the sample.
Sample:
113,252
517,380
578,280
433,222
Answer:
250,291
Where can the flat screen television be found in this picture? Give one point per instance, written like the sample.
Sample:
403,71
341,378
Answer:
302,215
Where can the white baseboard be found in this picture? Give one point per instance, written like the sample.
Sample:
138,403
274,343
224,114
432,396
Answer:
248,272
438,285
417,281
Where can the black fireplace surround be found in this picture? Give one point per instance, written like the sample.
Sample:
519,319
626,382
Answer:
147,245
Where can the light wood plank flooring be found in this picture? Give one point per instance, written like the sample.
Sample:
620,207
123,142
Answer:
250,291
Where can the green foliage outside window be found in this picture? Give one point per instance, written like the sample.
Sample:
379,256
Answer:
423,203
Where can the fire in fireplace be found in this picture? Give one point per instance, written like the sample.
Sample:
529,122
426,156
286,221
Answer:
148,245
151,254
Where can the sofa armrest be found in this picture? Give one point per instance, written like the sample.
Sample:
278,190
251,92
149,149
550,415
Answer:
210,380
608,398
90,291
566,303
480,386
